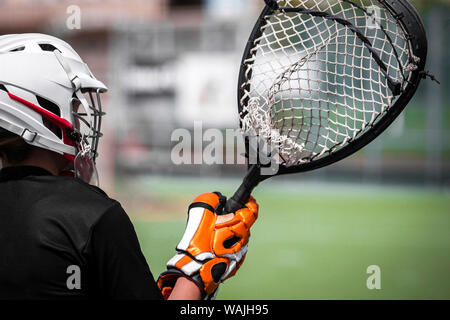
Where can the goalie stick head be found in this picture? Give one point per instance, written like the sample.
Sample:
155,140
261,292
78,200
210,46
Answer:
321,79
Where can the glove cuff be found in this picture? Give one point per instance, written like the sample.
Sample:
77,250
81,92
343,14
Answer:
167,280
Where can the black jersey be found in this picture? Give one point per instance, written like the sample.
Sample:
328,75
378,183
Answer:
61,238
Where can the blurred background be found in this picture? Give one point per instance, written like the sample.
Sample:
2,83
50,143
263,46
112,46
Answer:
169,63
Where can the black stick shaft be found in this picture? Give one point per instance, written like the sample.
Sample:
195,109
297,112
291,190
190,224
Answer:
242,194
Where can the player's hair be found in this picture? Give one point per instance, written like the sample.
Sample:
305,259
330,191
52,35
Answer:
13,148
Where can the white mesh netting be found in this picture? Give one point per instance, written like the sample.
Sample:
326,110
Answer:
311,85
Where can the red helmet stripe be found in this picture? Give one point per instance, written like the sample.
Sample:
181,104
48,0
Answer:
53,118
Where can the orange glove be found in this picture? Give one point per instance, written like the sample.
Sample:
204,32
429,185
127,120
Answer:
213,247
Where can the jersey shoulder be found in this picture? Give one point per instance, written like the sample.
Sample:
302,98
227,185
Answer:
69,199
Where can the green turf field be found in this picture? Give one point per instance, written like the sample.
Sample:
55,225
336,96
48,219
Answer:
316,241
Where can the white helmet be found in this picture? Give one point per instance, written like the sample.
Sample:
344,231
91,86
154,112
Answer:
42,81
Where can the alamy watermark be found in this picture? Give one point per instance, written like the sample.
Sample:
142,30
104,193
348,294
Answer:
74,279
73,20
374,280
228,146
374,19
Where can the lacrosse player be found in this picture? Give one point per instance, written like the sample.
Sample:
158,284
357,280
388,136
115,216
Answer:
61,236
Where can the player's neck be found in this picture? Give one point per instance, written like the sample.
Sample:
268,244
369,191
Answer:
47,160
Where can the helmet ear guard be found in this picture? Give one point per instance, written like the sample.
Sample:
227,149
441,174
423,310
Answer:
31,136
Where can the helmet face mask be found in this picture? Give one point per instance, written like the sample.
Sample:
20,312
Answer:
87,118
56,104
